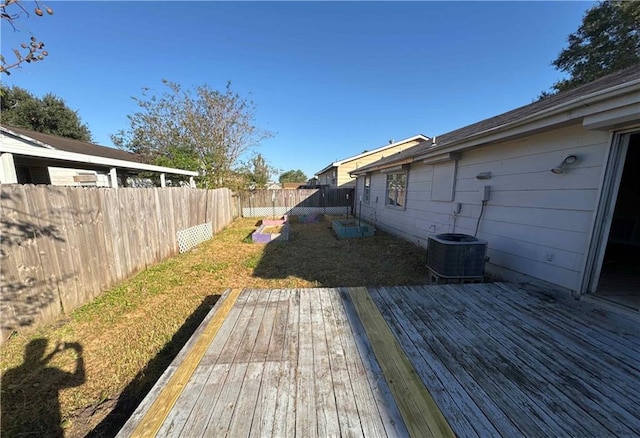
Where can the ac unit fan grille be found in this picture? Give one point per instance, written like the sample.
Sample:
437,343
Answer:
456,255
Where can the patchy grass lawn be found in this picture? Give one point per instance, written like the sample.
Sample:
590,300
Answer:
87,372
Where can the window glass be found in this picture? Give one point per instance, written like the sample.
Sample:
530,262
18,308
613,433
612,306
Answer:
396,189
367,188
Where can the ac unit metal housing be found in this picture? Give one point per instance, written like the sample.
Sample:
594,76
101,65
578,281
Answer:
456,255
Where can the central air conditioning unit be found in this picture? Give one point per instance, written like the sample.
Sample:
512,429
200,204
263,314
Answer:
456,255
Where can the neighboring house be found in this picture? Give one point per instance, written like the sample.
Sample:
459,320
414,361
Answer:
30,157
542,184
272,185
336,175
294,185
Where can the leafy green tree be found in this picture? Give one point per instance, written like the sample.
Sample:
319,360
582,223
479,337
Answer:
260,171
199,129
293,176
607,41
48,114
32,51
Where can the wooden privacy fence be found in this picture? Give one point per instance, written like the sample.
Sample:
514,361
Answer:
62,246
260,203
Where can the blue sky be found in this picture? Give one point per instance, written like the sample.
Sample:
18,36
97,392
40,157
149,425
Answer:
330,79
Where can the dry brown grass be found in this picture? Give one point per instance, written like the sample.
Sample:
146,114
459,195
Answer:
130,334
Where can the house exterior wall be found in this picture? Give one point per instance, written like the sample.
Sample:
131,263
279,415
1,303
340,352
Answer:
535,222
328,179
346,181
62,176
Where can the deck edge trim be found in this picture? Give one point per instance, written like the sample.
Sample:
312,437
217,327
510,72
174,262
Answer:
421,414
157,413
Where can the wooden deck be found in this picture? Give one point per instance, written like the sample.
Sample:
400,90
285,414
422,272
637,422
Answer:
482,359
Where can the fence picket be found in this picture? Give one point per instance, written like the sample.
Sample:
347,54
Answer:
62,246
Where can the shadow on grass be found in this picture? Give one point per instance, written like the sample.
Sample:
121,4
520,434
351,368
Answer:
314,254
36,381
138,388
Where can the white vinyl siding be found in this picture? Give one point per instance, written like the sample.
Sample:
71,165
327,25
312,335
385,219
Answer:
536,222
61,176
444,179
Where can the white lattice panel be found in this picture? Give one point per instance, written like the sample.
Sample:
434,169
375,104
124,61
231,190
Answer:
295,211
190,237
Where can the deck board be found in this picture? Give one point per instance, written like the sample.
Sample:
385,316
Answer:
586,415
543,374
497,359
437,366
262,423
326,379
375,391
497,367
593,363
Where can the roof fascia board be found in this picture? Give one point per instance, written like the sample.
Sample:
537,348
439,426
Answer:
612,118
441,158
326,169
382,167
55,154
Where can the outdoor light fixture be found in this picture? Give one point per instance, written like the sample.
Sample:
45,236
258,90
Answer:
483,175
568,161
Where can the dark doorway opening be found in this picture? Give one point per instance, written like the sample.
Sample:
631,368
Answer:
620,274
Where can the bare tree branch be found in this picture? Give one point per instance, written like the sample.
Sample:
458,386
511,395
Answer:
33,51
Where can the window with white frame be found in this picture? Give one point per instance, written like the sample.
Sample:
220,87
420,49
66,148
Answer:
396,189
367,189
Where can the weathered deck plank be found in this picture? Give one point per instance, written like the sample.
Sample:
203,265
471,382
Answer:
346,406
545,375
586,412
325,383
285,415
201,412
497,359
203,376
421,415
306,419
262,423
596,362
437,366
247,402
224,412
578,366
376,392
499,368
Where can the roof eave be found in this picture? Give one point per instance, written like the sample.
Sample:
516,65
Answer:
501,131
75,157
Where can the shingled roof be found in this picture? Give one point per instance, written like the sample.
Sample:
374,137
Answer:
77,146
605,83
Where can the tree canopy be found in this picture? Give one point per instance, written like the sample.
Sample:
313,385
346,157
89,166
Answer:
259,172
608,40
199,129
293,176
49,114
